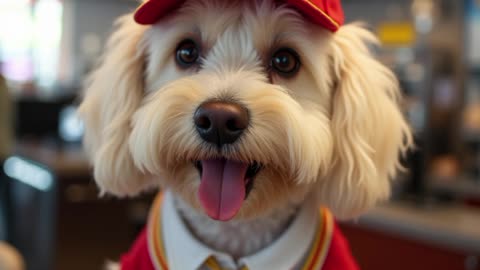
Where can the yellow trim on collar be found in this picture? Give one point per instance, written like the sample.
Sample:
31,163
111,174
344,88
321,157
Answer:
315,259
321,245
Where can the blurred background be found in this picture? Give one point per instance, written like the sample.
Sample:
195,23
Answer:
49,205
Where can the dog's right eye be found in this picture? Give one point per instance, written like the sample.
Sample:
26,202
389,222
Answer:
285,62
187,53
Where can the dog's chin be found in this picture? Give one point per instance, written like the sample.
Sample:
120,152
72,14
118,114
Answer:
224,186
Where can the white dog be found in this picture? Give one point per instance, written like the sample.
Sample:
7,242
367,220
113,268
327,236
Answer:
250,115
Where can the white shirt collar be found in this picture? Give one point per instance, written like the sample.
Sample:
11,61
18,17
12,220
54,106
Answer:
184,252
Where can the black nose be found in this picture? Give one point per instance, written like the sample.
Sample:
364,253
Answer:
221,122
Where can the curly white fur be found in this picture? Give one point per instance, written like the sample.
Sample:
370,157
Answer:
334,131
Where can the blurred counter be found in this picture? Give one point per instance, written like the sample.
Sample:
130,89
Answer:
450,226
62,159
404,235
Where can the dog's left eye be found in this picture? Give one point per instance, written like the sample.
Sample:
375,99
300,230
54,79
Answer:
187,53
285,62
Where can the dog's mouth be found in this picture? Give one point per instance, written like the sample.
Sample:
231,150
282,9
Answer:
225,184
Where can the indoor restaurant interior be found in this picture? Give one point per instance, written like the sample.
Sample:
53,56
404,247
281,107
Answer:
53,217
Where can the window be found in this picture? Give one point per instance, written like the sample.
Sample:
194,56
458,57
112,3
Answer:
30,38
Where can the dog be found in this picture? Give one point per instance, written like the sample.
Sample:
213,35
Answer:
260,121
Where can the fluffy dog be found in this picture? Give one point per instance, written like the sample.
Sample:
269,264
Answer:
245,113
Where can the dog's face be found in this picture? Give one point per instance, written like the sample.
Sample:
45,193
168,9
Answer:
243,107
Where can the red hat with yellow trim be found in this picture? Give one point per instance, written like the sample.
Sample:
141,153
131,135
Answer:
327,13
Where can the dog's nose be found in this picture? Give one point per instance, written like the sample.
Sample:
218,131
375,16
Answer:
221,122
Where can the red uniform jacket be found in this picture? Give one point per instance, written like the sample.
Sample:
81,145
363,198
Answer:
338,257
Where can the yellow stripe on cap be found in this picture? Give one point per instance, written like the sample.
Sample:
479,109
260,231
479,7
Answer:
323,13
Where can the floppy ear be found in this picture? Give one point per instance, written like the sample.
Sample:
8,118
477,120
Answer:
368,127
113,93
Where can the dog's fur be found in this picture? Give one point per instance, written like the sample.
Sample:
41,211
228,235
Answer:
330,135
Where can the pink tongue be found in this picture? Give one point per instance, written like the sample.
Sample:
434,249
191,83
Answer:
222,189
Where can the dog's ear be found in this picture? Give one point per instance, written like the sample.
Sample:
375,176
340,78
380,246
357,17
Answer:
113,93
368,127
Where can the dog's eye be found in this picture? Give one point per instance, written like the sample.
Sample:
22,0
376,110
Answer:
285,62
187,53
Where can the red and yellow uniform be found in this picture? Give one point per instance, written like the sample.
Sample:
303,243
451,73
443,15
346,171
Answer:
328,251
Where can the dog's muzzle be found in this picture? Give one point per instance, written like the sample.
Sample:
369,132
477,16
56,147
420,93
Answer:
225,183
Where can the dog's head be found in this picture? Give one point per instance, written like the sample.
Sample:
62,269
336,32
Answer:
242,107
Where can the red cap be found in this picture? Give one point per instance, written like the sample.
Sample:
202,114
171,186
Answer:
327,13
